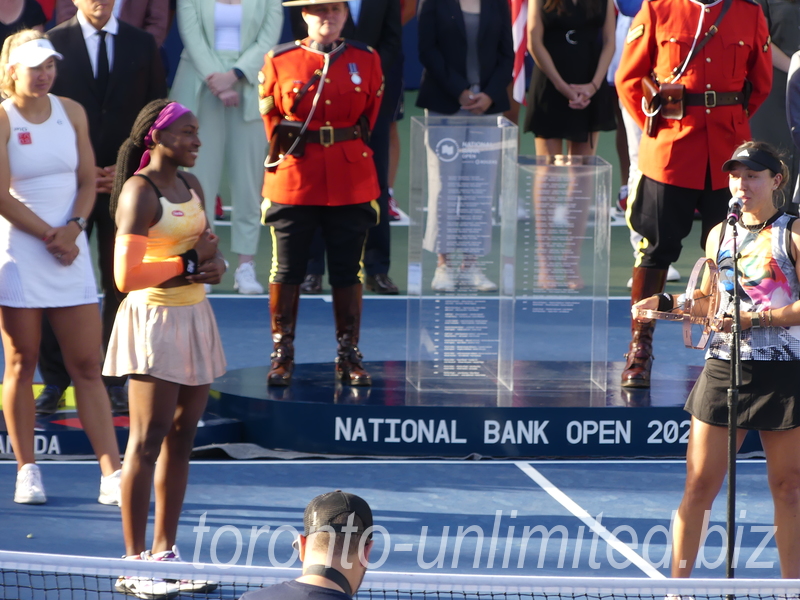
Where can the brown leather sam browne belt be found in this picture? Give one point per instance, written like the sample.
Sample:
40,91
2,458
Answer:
711,99
328,136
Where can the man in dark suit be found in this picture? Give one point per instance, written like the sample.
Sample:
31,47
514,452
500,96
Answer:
377,24
113,70
150,15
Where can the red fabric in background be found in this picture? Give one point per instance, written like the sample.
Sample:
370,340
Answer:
49,7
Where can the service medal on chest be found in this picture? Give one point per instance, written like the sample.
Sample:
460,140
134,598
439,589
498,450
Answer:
354,76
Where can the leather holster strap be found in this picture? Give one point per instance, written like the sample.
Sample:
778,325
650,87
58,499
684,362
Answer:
327,136
711,99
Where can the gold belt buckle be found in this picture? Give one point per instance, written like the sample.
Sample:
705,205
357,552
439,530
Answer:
710,99
326,136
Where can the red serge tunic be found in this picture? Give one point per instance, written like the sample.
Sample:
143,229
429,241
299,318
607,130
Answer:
343,173
660,39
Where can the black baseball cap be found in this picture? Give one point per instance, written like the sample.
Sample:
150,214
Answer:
325,508
754,159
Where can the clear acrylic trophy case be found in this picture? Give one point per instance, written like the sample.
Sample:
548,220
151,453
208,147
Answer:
463,213
562,271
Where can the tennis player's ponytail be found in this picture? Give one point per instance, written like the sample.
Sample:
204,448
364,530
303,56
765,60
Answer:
132,149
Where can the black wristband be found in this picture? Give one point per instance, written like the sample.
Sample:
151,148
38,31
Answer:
190,262
664,302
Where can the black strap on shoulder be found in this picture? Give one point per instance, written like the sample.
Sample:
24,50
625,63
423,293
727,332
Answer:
788,241
312,81
335,576
150,181
701,44
183,179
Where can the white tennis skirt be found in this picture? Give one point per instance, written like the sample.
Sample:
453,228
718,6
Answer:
180,344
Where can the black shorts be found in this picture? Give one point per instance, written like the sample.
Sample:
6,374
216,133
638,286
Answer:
767,397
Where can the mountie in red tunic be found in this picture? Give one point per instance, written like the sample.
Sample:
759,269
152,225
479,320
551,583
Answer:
344,172
660,38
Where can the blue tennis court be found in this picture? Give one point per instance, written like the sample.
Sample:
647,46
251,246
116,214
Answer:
566,518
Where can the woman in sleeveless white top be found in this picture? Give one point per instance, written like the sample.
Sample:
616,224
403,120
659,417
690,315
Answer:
43,158
47,190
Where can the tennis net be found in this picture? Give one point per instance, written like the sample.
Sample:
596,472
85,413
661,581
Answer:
29,576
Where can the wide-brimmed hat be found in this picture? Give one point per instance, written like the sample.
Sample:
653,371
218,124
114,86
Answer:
754,159
33,53
311,2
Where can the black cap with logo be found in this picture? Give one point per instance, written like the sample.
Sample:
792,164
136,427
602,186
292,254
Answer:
323,510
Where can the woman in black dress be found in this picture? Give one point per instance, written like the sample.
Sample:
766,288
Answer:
572,43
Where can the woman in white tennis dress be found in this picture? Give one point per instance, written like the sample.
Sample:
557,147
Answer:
47,189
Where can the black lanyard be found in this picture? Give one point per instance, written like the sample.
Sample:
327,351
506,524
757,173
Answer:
330,573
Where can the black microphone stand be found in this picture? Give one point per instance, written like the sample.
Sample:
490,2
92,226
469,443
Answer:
733,405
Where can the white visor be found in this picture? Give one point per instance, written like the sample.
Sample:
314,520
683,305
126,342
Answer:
33,53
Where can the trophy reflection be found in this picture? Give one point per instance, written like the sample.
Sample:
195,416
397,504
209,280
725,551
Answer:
561,200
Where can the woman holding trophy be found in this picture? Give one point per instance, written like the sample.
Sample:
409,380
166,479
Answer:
769,397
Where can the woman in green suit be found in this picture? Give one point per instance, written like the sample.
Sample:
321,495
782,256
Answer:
217,79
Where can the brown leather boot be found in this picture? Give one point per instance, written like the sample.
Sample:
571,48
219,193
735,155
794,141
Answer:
283,300
639,359
347,311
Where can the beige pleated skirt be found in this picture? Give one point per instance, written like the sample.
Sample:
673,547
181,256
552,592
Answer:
180,344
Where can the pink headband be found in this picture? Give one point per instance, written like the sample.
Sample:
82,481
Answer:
168,115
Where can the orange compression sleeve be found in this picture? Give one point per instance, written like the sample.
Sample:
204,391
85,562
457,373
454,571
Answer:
132,273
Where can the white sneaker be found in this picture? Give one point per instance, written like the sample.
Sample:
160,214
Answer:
109,489
474,278
244,280
146,587
29,489
443,279
197,586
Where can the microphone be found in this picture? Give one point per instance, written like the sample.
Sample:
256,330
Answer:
734,211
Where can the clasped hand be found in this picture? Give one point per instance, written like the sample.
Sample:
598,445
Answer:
60,242
475,102
212,266
579,95
104,176
221,85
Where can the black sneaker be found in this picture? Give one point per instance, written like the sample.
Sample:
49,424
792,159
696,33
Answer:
312,284
118,396
48,400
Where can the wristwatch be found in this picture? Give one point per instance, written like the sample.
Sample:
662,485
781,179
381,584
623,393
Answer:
755,320
80,221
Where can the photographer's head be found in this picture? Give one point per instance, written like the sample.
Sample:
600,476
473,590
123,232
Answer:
336,541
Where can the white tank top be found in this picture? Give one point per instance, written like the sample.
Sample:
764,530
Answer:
43,159
227,25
